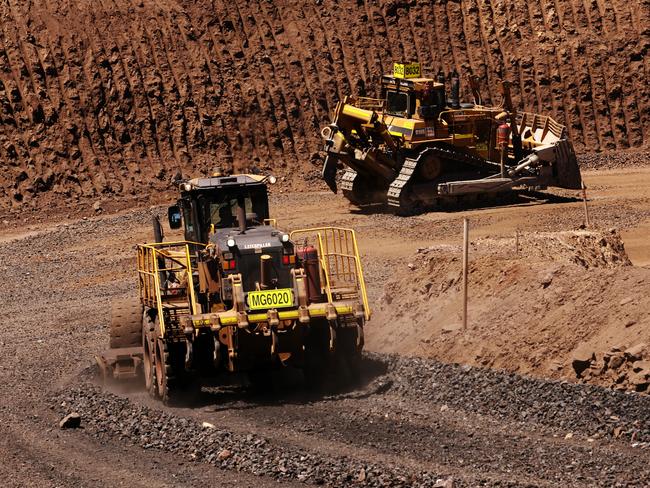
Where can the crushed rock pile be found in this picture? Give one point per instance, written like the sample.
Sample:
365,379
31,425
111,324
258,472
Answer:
585,248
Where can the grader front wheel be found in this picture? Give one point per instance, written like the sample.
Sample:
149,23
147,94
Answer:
126,323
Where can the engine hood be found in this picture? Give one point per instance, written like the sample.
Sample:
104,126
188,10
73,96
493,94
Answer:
253,241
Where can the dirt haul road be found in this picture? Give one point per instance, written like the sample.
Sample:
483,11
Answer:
415,422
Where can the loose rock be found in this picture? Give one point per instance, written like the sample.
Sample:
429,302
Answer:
224,454
636,352
70,421
582,359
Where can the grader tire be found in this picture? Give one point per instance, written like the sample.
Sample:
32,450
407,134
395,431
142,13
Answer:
175,386
166,382
126,323
317,355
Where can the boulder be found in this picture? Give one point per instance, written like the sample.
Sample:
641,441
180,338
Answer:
224,454
616,360
444,483
636,353
641,366
639,381
70,421
582,358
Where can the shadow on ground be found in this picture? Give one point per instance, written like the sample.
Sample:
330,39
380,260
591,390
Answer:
241,391
516,199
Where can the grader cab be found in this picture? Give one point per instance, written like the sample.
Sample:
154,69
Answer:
238,294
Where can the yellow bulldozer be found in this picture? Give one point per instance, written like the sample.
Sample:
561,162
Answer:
416,148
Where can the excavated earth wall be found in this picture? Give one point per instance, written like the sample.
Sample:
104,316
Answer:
562,303
114,97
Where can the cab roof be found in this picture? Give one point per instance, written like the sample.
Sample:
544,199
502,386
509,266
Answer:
223,181
415,83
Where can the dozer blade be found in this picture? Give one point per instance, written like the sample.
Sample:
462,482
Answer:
329,172
120,364
566,166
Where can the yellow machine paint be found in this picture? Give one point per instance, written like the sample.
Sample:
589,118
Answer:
417,145
406,70
241,296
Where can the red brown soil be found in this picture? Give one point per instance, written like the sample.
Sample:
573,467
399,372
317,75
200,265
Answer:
529,311
112,98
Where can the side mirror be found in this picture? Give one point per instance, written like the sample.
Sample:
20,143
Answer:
174,217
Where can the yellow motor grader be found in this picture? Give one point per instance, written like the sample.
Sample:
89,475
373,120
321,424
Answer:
416,148
237,294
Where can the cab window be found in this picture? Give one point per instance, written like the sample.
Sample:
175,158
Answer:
187,218
224,214
397,102
221,210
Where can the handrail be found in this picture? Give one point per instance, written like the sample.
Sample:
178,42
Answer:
325,268
344,250
190,281
362,281
156,280
171,244
149,256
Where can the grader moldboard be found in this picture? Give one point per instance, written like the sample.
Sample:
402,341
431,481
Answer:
237,295
415,149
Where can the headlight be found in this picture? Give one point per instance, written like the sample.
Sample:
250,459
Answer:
187,187
272,179
231,242
285,238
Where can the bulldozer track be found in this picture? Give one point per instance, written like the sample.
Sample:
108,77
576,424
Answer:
398,192
398,188
347,184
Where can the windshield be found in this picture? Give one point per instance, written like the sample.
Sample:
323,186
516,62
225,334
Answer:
221,207
396,102
225,214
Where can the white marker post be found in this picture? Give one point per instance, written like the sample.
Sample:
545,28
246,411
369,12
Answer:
465,265
517,241
584,199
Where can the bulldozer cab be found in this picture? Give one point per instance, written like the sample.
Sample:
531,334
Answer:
406,94
220,203
418,98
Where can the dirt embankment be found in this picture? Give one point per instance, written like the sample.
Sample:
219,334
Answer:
530,311
113,98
